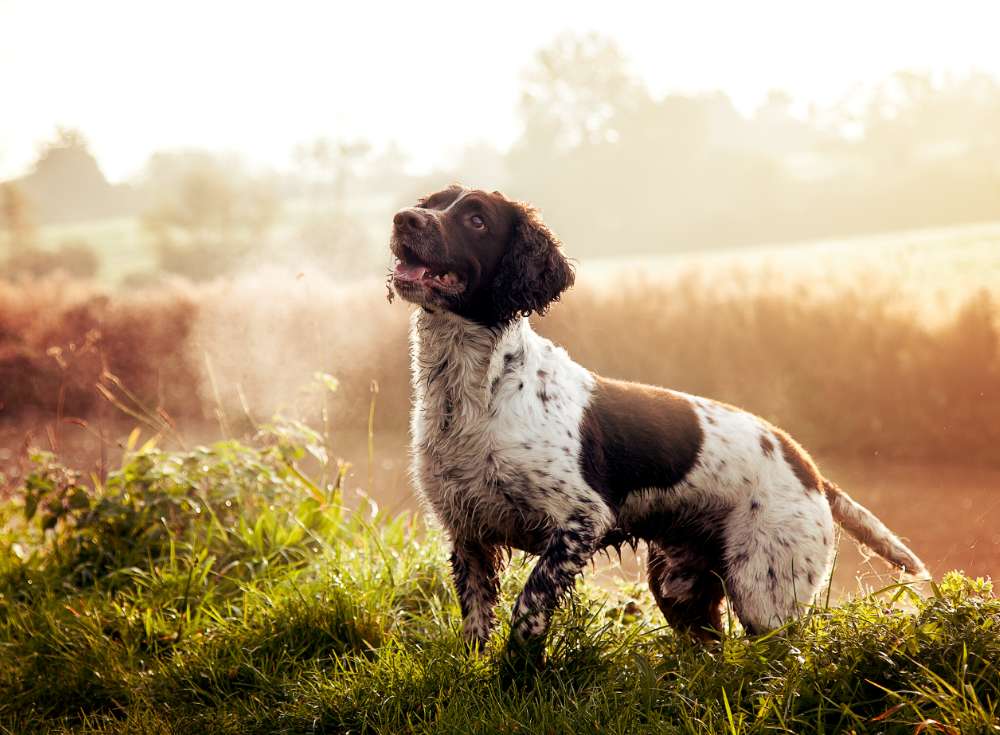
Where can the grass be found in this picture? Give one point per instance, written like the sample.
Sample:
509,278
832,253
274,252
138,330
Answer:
231,589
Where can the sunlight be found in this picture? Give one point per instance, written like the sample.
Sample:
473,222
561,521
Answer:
138,77
339,343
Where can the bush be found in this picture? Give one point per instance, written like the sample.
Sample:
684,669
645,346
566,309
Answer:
75,259
59,339
160,503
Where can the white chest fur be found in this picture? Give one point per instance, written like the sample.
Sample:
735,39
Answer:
496,429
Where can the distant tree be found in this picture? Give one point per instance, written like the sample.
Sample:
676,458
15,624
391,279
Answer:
603,157
577,97
68,158
387,170
775,130
482,164
331,167
341,178
15,218
66,182
577,90
617,170
207,214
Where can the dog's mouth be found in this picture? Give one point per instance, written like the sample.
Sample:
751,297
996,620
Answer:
411,270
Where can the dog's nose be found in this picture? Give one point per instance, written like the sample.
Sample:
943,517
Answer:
409,219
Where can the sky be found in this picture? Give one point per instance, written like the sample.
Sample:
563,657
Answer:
256,78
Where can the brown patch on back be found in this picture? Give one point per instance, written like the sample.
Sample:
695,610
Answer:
800,462
637,436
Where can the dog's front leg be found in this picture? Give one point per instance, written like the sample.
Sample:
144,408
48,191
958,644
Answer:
567,553
475,567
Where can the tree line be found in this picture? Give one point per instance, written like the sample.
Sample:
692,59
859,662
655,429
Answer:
616,169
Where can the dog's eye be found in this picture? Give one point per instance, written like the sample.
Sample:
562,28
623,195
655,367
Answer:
477,222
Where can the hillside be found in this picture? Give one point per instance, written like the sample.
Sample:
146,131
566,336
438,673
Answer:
227,589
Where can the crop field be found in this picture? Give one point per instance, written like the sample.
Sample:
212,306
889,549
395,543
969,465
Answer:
930,271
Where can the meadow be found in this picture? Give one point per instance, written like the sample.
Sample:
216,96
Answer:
224,589
122,245
178,559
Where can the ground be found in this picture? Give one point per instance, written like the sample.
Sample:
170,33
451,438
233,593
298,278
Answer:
228,589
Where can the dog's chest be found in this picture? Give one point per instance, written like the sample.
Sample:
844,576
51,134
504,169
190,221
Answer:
496,432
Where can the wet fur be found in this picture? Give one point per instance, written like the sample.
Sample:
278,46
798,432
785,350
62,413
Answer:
516,446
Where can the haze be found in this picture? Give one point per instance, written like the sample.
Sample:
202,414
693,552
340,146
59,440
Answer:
257,79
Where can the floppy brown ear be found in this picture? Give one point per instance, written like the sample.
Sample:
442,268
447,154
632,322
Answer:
533,271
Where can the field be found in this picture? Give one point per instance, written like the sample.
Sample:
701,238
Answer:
122,245
932,271
226,590
191,563
950,262
126,249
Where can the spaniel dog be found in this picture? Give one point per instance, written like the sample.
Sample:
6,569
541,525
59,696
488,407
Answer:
516,446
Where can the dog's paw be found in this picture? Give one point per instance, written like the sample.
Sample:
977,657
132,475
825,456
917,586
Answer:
523,658
475,645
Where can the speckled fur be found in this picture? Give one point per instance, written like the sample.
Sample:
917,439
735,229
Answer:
495,433
497,443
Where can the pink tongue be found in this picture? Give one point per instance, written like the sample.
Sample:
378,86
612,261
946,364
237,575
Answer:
406,272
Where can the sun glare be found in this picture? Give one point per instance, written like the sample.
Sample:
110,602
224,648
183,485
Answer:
253,78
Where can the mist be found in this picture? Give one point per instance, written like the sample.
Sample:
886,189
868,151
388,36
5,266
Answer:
790,260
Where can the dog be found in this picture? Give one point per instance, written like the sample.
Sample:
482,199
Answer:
516,446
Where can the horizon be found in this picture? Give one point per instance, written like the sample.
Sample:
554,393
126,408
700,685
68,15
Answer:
274,102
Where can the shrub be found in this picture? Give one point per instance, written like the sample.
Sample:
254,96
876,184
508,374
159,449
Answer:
74,258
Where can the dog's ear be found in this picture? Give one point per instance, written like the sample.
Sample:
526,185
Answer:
533,271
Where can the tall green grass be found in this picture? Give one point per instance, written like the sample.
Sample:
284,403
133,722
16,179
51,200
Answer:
231,588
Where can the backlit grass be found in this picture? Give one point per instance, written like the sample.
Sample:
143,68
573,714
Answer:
230,589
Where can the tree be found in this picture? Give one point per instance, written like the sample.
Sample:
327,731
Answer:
15,218
66,182
207,214
577,90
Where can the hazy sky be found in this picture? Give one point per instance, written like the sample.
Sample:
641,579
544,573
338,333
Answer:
257,78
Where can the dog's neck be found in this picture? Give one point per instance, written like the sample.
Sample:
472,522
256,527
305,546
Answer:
461,357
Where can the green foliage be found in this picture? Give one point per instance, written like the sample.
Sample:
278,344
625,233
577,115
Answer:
230,589
245,508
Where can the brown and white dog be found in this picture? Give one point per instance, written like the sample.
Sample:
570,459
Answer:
517,446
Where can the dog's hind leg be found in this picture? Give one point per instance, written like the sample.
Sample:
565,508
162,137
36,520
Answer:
688,590
777,555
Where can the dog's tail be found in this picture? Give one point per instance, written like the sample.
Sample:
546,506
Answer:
862,524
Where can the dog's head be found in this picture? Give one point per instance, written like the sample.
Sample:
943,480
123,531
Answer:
478,255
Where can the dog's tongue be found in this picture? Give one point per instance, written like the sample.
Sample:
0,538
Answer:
406,272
